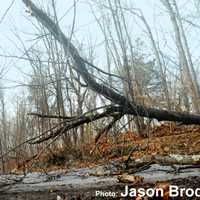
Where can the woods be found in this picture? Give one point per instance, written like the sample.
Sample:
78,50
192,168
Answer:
125,105
74,73
126,88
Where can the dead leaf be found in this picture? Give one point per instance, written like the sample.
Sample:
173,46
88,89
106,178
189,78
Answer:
126,178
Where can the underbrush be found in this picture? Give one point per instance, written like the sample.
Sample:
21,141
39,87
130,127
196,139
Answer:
163,140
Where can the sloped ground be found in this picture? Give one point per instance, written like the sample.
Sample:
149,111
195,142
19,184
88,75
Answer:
163,140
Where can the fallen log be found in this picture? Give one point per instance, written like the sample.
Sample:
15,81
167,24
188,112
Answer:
172,159
176,162
145,162
175,159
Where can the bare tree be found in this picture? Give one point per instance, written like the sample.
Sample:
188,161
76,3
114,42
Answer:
122,104
187,69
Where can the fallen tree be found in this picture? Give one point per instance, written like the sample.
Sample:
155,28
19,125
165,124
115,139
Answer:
120,104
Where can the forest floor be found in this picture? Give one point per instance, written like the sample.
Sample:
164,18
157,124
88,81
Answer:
163,140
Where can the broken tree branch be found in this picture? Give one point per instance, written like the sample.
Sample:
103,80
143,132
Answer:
50,116
109,112
125,105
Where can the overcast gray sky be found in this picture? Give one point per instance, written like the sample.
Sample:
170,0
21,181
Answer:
17,22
